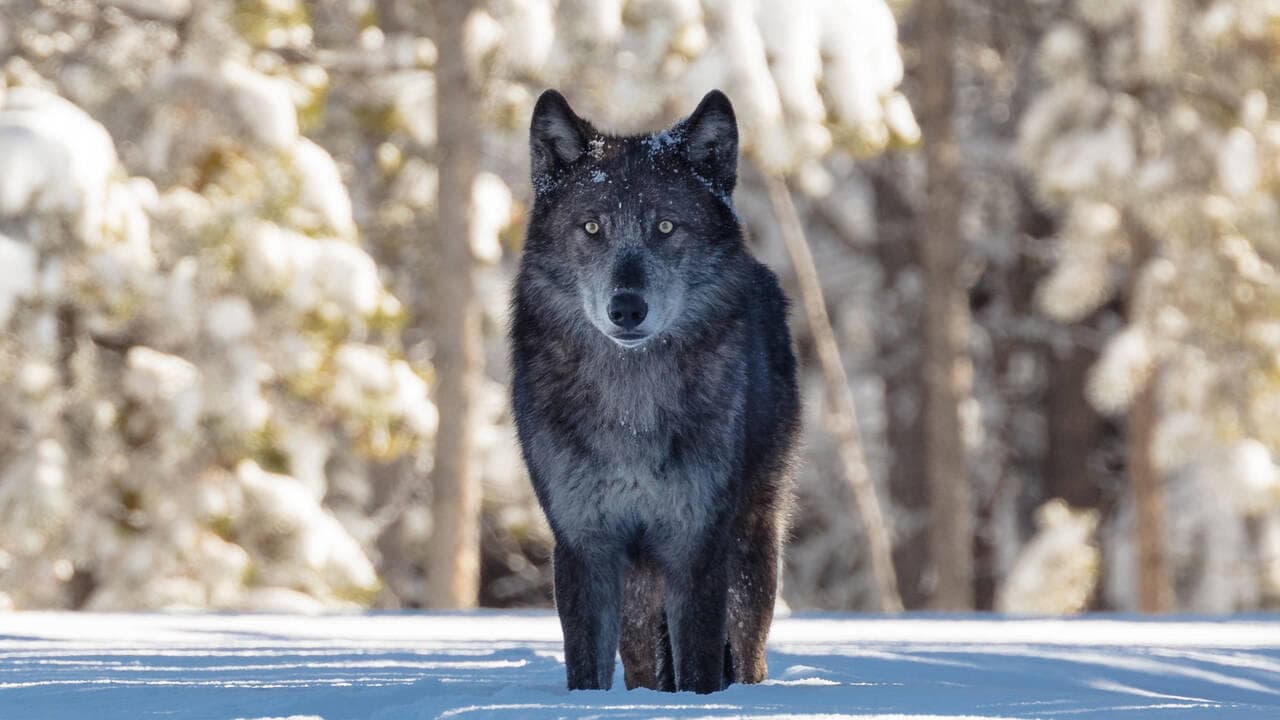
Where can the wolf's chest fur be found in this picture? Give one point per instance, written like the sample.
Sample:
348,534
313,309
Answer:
635,396
646,448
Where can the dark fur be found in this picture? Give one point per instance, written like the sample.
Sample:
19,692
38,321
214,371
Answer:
663,469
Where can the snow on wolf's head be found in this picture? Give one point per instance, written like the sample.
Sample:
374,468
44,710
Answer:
631,231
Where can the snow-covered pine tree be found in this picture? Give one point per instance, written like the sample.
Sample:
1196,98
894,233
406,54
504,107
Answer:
1158,138
195,336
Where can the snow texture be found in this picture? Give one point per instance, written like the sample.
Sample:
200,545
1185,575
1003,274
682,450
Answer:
19,279
56,158
496,665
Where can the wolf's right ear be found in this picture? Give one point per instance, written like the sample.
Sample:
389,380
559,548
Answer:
557,138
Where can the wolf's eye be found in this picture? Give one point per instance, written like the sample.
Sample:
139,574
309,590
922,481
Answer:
591,226
665,227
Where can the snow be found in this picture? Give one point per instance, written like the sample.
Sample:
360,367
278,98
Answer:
317,553
490,214
369,383
19,260
1238,169
1056,571
523,35
320,188
56,158
167,383
263,103
229,319
1122,371
508,665
168,10
311,272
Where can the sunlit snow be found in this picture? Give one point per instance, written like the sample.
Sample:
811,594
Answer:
495,665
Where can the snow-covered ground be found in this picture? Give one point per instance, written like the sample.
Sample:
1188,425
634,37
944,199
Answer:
504,665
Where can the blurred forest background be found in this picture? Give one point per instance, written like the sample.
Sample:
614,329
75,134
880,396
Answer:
255,256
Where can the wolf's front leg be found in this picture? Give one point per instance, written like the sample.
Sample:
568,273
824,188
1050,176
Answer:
589,601
644,646
697,595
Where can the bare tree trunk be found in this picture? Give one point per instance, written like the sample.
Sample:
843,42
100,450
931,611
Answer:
897,223
946,319
1075,430
453,564
843,419
1155,584
1155,589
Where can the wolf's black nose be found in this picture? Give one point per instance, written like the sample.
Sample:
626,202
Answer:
627,310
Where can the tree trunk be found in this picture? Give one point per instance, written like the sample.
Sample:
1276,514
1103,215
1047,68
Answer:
1155,588
1075,430
946,319
899,364
453,565
1155,584
843,417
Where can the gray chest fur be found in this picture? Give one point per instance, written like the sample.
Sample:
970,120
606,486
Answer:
645,465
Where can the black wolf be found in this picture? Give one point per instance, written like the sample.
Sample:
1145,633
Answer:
655,400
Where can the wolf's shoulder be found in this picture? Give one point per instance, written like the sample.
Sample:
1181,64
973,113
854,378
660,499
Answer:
769,308
765,281
765,292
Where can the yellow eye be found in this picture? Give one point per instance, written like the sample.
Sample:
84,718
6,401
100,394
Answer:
591,226
665,227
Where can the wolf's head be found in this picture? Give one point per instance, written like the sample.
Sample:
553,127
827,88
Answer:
631,232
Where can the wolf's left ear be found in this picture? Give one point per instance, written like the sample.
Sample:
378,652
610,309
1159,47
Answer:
557,137
711,141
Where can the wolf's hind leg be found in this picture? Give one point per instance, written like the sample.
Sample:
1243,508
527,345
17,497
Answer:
643,639
753,584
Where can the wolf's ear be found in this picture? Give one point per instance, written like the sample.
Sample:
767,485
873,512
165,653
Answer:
557,137
711,141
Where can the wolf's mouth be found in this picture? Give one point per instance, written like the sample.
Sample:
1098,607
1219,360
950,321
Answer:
630,340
